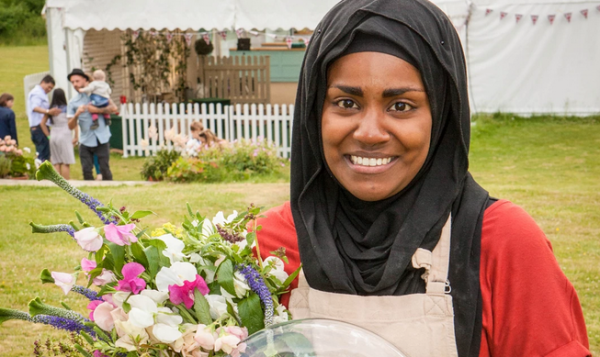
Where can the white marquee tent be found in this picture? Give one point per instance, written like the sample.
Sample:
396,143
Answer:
523,57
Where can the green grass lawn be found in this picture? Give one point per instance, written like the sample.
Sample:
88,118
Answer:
549,166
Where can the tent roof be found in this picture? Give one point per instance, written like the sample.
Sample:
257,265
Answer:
191,14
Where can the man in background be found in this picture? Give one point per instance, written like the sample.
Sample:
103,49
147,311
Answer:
38,106
79,111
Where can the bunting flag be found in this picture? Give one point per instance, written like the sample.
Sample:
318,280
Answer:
153,33
288,41
568,16
254,33
188,38
534,18
135,35
206,38
488,11
169,37
518,17
584,12
598,7
240,33
503,15
551,18
223,34
307,41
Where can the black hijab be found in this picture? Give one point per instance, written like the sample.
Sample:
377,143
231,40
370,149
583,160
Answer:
355,247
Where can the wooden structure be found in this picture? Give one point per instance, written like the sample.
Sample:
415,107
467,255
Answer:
242,79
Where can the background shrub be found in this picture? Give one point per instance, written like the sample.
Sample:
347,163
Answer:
155,167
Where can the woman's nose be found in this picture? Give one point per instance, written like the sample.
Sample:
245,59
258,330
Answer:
371,130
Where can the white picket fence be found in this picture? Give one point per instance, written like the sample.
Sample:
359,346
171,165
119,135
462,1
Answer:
270,122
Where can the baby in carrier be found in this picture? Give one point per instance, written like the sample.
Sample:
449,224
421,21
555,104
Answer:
99,92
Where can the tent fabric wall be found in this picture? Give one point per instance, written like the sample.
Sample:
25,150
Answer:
526,68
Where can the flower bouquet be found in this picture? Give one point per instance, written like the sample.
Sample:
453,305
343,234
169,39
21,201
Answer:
198,289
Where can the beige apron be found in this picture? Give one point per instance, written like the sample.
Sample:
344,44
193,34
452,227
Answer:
420,325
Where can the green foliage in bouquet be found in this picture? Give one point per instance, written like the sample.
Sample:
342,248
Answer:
155,167
22,166
194,289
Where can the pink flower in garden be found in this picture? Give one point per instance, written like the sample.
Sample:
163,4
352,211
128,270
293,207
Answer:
64,281
102,316
92,307
120,235
185,293
89,239
87,265
99,354
104,278
131,282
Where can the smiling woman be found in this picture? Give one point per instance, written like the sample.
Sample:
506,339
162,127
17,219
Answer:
392,231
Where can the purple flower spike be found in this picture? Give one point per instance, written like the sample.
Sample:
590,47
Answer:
256,283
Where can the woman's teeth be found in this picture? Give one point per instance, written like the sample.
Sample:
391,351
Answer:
366,161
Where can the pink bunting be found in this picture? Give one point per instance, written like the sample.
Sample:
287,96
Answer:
240,33
518,17
288,41
135,35
223,34
488,11
503,15
551,18
188,38
568,16
153,33
307,41
169,37
598,7
534,18
584,12
206,38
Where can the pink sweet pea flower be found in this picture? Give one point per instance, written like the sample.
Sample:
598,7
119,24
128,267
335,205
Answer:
92,306
87,265
64,281
104,278
88,239
99,354
185,293
120,235
131,282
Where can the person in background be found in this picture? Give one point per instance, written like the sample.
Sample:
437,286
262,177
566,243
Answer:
7,117
97,168
79,111
61,139
208,139
37,107
99,92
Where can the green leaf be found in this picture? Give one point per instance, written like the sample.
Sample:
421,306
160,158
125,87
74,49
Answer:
251,313
87,337
202,308
225,276
153,260
101,334
141,214
137,250
83,352
291,278
46,277
118,255
250,238
79,218
189,209
65,305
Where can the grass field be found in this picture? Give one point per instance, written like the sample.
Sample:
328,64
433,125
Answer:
550,166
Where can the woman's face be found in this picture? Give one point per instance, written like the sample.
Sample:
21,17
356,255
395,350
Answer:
376,124
9,104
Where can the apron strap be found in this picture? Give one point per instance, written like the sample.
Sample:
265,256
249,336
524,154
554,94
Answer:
437,280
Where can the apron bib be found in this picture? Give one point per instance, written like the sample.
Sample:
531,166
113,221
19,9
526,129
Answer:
419,325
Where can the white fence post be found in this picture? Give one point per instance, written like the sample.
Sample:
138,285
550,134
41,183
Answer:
272,123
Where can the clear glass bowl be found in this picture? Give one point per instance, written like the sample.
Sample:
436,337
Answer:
318,338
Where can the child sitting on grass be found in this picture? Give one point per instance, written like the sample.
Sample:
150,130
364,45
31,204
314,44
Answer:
99,92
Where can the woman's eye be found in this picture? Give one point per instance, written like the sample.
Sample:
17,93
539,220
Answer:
346,104
401,107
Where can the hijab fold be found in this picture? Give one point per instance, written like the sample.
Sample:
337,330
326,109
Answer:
351,246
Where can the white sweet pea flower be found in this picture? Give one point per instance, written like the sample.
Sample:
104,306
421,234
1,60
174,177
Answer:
176,274
195,258
158,296
119,298
166,333
218,305
220,218
89,239
195,223
277,268
240,285
281,315
174,249
207,228
127,332
142,311
64,281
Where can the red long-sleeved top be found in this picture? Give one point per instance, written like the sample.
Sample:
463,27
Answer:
529,307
